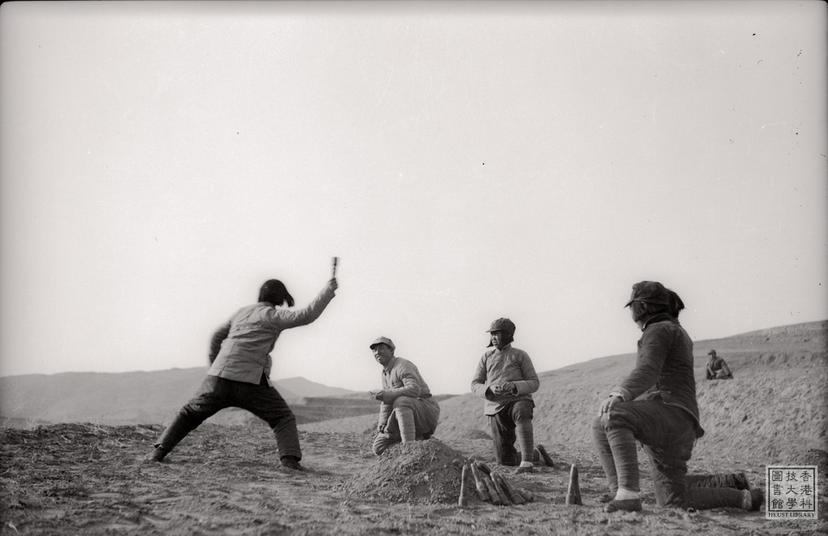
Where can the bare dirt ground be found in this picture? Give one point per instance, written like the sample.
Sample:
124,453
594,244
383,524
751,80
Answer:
91,479
67,479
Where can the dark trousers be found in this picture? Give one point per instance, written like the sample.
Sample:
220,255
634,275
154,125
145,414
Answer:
667,434
502,425
217,393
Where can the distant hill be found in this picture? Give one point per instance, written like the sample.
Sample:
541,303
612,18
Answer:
125,398
774,409
776,406
303,388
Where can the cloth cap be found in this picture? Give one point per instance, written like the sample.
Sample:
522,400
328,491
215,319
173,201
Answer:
711,352
650,292
382,340
502,324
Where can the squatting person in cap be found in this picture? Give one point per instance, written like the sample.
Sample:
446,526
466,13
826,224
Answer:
505,378
239,374
717,369
408,412
656,405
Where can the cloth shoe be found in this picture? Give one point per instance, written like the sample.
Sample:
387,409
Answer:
291,462
606,497
524,469
625,505
741,481
157,455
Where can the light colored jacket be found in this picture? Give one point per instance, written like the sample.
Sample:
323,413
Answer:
252,331
401,377
498,366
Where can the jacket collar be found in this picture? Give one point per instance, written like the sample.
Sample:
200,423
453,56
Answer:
387,368
658,317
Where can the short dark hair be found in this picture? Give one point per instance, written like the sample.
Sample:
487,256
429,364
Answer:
274,292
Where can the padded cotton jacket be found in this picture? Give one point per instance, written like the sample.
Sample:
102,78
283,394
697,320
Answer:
664,368
252,331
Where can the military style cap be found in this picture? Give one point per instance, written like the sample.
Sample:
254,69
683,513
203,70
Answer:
382,340
502,324
711,352
650,292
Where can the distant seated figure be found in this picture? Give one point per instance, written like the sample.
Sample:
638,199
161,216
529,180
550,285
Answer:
408,412
717,369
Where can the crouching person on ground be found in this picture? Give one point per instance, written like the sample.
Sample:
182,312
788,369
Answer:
505,378
656,405
717,369
408,412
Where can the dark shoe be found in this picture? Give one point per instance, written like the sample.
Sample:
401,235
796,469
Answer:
626,505
753,499
157,455
606,497
292,462
741,481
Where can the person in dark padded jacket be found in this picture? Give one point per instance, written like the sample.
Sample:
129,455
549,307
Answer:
656,405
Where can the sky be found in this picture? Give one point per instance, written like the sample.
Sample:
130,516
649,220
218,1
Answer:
465,160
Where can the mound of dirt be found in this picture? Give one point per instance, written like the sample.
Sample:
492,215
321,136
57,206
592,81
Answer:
418,471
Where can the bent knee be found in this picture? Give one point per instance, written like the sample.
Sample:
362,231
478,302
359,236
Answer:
523,411
404,402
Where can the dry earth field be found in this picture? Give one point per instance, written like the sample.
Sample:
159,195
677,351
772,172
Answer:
90,479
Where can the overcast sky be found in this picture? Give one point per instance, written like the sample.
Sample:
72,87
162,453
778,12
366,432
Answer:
466,161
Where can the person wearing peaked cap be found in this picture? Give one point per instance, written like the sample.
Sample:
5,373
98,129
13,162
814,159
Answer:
656,405
239,373
716,368
407,410
505,379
